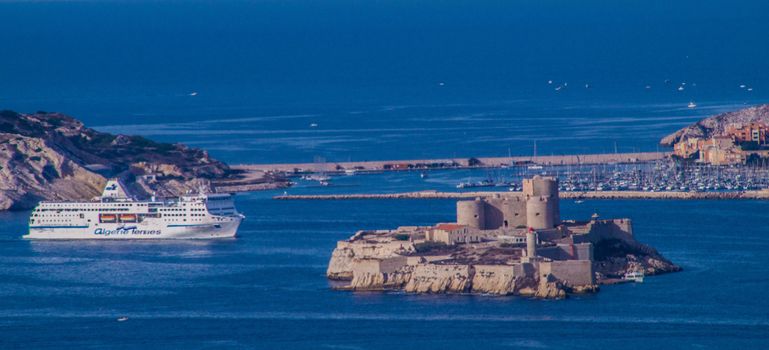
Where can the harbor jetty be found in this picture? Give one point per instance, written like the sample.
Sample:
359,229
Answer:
381,165
760,195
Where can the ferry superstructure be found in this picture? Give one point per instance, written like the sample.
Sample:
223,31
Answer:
117,215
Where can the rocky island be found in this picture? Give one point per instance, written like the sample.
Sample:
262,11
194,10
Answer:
51,156
718,124
504,245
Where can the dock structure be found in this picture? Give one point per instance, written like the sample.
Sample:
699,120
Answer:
759,195
380,165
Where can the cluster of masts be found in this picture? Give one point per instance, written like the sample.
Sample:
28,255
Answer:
659,176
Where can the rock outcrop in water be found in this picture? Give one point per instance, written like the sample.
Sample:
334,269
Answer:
716,124
51,156
511,245
375,261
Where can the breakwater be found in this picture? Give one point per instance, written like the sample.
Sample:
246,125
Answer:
458,162
763,194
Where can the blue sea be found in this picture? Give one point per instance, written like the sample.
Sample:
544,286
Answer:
381,80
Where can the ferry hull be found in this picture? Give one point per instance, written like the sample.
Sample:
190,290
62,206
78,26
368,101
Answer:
213,230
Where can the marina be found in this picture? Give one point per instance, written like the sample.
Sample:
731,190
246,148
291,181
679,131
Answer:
661,179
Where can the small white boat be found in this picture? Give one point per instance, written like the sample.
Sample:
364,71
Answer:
350,172
742,86
122,319
579,201
313,125
194,93
680,88
423,175
635,276
535,167
692,105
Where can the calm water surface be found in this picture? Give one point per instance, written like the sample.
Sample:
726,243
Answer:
383,80
266,289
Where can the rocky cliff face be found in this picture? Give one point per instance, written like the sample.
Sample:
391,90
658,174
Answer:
50,156
615,257
717,124
351,261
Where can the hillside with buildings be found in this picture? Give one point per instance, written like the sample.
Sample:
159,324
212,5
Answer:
729,138
51,156
505,245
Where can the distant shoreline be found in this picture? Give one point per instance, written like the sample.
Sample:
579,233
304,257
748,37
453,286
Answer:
457,163
746,195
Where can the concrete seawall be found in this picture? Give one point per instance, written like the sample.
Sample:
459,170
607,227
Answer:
567,195
461,162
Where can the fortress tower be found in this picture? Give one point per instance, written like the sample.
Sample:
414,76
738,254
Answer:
472,213
542,203
531,243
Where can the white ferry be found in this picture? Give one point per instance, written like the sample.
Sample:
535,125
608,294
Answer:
117,215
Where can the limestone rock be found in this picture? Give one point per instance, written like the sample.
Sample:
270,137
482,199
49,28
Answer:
340,266
433,278
498,280
51,156
717,124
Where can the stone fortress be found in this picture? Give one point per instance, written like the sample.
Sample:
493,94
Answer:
537,208
508,244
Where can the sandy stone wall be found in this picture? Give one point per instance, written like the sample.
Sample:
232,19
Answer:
570,272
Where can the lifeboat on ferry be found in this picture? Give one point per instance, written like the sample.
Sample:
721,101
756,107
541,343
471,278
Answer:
127,217
108,218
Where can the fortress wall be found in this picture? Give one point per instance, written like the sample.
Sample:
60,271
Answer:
525,270
621,229
365,265
570,272
580,251
495,217
554,253
508,212
550,234
391,265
